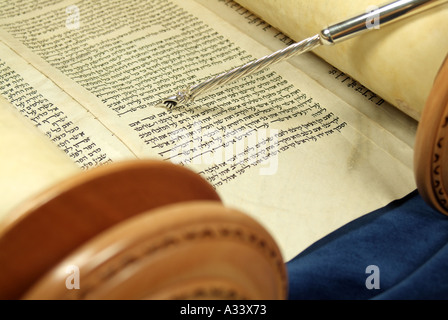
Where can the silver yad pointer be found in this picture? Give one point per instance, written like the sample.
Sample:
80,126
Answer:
336,33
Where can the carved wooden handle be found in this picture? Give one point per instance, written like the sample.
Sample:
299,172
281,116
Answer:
431,145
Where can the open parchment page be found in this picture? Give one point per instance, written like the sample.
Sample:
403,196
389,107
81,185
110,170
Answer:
277,145
398,62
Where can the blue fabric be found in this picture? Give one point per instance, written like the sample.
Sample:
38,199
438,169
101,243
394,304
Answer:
407,241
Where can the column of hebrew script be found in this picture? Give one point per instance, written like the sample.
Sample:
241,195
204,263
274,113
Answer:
56,114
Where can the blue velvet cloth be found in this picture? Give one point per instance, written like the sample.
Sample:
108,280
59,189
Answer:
406,242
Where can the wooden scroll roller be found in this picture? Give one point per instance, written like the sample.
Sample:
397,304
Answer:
431,145
137,230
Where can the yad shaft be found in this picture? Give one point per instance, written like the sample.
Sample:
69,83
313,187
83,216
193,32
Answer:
335,33
254,66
